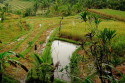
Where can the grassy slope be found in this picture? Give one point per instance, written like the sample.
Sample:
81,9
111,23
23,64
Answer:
20,5
112,12
117,14
76,30
72,29
11,30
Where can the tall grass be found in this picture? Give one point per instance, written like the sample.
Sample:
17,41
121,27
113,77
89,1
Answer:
78,31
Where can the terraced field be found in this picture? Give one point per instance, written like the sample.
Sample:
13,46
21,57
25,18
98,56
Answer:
33,33
21,35
116,14
77,30
19,5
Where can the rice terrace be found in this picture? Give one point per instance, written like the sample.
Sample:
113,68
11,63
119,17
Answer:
62,41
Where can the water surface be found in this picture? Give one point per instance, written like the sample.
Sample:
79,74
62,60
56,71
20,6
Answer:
62,51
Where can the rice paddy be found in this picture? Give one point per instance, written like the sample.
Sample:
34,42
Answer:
22,34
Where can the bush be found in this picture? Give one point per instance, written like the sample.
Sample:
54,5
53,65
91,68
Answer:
28,12
40,74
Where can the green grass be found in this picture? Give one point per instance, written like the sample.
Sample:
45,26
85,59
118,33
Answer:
78,31
9,79
34,39
23,39
67,40
20,5
10,31
117,13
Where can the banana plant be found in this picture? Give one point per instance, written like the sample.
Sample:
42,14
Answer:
5,58
44,72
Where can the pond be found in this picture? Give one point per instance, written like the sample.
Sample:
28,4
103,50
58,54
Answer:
61,52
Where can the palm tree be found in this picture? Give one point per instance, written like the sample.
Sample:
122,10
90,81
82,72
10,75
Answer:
36,5
5,58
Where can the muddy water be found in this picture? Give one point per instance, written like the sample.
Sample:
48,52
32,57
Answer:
62,51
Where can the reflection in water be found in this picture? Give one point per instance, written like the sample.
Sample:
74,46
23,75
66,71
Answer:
62,51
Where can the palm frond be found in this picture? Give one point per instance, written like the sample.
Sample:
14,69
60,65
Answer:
39,60
19,55
12,63
24,67
5,54
17,62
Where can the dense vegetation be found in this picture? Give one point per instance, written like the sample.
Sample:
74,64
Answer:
97,26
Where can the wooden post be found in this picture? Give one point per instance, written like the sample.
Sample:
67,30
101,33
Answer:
35,47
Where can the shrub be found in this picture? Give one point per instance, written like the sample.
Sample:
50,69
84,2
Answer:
28,12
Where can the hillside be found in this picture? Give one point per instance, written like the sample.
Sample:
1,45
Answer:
36,35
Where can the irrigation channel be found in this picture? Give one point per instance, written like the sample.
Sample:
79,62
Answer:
61,52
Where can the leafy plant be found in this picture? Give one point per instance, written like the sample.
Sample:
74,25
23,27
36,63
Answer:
2,15
42,71
28,12
97,21
30,43
115,61
5,58
84,16
35,7
110,34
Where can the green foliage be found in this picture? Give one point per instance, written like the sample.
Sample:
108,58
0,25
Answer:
58,81
5,58
11,27
20,26
118,48
116,60
35,7
7,6
122,79
107,35
38,60
97,21
18,12
30,43
42,71
2,15
1,26
9,79
40,74
28,12
84,16
78,7
47,13
100,4
41,42
110,34
47,51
